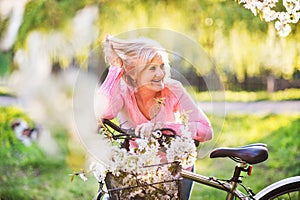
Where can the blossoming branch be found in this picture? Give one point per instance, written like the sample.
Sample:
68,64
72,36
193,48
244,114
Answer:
267,10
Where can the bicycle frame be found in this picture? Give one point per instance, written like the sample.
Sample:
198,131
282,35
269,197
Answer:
244,156
230,187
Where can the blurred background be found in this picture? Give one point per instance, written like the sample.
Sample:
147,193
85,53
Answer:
46,44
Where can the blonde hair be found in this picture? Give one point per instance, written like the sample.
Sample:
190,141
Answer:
135,55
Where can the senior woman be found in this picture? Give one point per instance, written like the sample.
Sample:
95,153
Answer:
141,93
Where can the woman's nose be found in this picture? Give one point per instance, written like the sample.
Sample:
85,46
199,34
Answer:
160,72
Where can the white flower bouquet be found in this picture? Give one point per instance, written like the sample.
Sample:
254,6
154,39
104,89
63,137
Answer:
162,181
150,169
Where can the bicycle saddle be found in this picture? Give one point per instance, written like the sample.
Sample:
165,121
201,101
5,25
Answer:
251,154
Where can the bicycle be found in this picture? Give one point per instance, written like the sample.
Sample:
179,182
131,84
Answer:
244,156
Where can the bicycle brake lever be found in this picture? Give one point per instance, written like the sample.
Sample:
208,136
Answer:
131,133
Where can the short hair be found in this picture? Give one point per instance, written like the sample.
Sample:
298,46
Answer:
135,54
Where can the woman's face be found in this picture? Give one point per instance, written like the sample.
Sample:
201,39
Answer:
152,76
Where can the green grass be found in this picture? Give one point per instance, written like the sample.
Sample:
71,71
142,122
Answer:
28,173
279,132
4,91
244,96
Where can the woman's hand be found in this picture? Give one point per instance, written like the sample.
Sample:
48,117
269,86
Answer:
117,62
145,130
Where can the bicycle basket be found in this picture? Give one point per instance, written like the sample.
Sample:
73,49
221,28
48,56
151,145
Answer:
161,181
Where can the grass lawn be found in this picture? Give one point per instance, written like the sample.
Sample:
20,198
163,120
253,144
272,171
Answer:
28,173
279,132
245,96
4,91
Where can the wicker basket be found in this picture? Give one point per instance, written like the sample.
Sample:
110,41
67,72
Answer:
161,181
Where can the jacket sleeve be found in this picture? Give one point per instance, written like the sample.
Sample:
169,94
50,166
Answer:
199,124
111,89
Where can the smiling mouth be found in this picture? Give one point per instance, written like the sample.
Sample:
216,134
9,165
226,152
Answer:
158,80
158,83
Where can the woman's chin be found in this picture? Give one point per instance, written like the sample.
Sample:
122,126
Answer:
155,86
158,87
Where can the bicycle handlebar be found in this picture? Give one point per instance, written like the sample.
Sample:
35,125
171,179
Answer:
130,133
113,125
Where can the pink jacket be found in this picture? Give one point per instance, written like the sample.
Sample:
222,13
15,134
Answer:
122,103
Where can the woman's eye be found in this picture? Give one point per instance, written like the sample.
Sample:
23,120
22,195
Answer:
152,68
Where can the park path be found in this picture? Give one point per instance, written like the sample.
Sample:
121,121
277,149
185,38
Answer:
8,100
222,108
259,107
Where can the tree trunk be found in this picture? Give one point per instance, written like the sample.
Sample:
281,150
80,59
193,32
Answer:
245,82
270,83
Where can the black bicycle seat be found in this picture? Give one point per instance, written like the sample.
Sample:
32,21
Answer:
251,154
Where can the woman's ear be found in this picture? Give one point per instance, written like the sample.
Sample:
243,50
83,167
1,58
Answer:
133,76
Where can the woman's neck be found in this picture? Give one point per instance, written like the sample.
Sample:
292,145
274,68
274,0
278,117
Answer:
146,100
145,95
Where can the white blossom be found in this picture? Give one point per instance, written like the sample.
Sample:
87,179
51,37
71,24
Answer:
269,14
183,148
282,28
283,19
82,176
99,171
291,5
142,144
